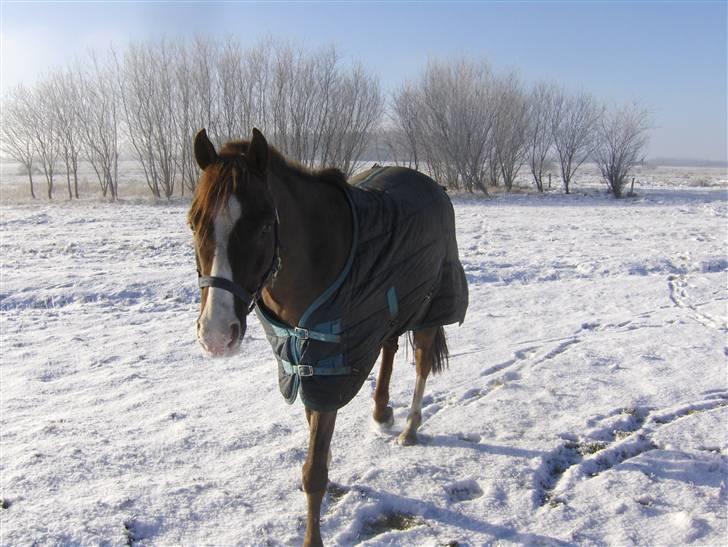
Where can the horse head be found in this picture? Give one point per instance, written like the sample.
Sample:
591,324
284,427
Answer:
235,227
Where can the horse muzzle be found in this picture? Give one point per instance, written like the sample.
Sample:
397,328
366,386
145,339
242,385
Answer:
220,341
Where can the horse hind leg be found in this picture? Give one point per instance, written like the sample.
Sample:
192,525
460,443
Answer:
431,354
382,413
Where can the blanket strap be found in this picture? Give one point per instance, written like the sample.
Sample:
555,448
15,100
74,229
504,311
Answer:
304,334
327,367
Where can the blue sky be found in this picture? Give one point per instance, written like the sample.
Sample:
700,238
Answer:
670,56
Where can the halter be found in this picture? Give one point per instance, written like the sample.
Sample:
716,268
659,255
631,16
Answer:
248,299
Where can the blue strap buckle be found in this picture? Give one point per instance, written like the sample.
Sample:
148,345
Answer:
305,370
300,333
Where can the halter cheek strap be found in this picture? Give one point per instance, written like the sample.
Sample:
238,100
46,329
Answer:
227,285
247,298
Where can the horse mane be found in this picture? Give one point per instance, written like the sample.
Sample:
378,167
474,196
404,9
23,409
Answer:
277,162
215,189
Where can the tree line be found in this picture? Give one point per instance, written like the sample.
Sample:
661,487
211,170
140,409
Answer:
467,126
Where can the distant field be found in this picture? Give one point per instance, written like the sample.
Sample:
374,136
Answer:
14,182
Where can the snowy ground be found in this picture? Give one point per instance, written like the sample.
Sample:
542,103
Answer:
586,401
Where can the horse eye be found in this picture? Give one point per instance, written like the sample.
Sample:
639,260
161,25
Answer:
265,229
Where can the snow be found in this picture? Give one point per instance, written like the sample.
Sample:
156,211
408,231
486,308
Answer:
586,400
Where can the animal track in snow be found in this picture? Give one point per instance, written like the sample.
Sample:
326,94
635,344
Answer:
463,490
677,285
622,435
519,355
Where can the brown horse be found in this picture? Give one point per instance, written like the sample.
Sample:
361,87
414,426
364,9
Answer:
335,271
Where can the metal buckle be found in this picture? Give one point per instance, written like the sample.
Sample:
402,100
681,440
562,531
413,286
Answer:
305,370
298,332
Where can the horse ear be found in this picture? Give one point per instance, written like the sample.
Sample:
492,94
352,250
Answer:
258,152
204,150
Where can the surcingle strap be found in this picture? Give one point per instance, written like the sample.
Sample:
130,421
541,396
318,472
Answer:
288,343
321,369
304,334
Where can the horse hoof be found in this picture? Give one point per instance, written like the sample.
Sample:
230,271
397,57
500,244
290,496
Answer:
407,439
385,420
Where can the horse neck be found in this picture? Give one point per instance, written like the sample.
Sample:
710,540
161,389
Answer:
315,233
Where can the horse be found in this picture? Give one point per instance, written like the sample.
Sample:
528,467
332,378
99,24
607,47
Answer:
336,271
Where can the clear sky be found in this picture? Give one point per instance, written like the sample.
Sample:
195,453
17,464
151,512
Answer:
670,56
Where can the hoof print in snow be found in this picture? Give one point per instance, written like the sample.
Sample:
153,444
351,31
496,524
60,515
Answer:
136,531
469,437
463,491
553,467
387,522
336,491
645,501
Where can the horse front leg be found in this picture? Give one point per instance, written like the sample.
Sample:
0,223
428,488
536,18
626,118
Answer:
315,470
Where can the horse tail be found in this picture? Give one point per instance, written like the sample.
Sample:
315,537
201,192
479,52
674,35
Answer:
441,355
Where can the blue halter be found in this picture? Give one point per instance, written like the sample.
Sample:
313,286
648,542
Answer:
248,299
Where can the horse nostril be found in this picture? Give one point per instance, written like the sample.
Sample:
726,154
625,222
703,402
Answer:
234,334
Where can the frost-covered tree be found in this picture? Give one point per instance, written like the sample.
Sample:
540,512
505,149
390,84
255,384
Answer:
318,112
99,118
622,137
456,112
573,127
17,140
511,128
540,139
43,125
147,83
406,134
65,97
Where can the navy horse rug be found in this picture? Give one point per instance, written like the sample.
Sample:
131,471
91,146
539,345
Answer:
402,274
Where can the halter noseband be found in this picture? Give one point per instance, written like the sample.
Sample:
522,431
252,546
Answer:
249,300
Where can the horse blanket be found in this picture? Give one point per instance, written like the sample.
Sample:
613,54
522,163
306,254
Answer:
403,273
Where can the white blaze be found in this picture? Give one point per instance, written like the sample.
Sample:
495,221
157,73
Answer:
219,311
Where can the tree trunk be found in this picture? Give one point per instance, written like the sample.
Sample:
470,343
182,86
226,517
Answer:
75,176
30,178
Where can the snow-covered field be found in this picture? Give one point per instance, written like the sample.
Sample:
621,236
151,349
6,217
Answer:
586,401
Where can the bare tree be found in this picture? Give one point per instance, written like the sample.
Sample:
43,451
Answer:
164,117
65,97
511,127
540,137
148,99
406,136
17,132
358,107
99,119
457,116
197,98
622,138
319,114
231,85
43,126
573,125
